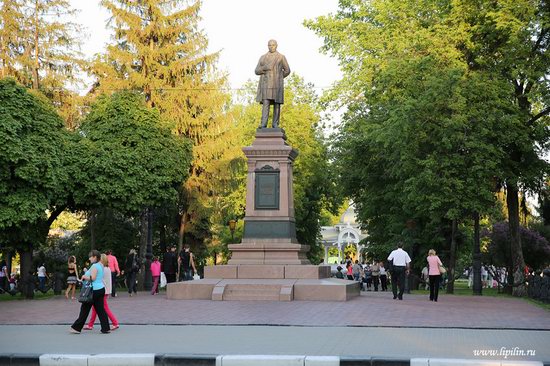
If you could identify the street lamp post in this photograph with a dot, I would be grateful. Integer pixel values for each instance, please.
(232, 226)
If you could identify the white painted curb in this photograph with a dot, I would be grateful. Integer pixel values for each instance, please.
(259, 360)
(145, 359)
(322, 361)
(62, 360)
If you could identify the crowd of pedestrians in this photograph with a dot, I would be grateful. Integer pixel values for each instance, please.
(103, 272)
(374, 276)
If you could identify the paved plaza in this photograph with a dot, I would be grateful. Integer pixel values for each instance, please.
(370, 309)
(372, 325)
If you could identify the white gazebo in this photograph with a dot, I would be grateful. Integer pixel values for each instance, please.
(344, 233)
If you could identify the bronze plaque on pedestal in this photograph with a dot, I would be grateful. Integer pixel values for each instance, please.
(266, 189)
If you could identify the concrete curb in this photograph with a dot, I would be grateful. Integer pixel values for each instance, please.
(238, 360)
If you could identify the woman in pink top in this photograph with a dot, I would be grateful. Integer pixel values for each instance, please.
(435, 275)
(155, 272)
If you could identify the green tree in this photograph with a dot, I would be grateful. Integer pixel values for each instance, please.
(11, 38)
(34, 179)
(429, 121)
(40, 48)
(128, 161)
(159, 51)
(510, 40)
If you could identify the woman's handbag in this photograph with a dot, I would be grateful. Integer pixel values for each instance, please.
(86, 293)
(442, 270)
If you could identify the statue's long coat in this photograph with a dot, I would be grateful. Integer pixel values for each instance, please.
(271, 81)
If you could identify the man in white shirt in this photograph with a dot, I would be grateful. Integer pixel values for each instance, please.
(401, 263)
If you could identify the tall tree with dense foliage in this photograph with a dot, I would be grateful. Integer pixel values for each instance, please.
(129, 159)
(159, 50)
(12, 38)
(510, 40)
(34, 179)
(40, 48)
(427, 123)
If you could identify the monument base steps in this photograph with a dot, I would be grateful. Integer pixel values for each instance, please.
(328, 289)
(268, 271)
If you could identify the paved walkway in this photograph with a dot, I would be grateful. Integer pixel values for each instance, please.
(370, 309)
(225, 340)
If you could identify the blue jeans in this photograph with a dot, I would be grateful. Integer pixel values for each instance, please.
(41, 283)
(186, 275)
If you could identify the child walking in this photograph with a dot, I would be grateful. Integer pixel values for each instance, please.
(155, 272)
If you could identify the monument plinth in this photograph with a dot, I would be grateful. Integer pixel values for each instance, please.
(269, 224)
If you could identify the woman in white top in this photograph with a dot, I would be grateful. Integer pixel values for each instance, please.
(107, 280)
(42, 277)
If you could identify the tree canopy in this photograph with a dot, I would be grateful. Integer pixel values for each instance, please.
(446, 100)
(130, 159)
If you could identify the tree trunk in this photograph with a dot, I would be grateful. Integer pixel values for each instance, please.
(27, 277)
(35, 84)
(92, 219)
(452, 259)
(9, 260)
(181, 234)
(162, 237)
(476, 267)
(142, 248)
(515, 238)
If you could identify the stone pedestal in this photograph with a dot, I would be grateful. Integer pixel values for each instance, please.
(269, 224)
(269, 263)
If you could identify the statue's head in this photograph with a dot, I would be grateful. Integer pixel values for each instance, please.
(272, 45)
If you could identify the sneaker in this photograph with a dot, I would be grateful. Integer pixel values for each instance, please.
(107, 332)
(73, 331)
(87, 327)
(114, 327)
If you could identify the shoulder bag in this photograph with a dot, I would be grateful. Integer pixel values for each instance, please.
(86, 293)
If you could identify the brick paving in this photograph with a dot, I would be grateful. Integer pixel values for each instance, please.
(369, 310)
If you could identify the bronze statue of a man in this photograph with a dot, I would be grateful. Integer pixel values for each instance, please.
(272, 68)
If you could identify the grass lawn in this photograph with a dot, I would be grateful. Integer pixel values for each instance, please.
(461, 288)
(38, 295)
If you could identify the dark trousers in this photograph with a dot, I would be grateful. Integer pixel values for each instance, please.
(434, 287)
(98, 296)
(3, 283)
(113, 282)
(398, 279)
(131, 282)
(384, 282)
(375, 281)
(170, 277)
